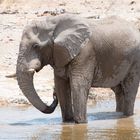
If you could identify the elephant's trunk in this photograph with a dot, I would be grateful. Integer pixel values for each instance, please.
(25, 81)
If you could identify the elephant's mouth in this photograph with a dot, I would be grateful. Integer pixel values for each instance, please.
(34, 70)
(38, 70)
(34, 65)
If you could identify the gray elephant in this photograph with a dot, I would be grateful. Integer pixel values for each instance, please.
(83, 54)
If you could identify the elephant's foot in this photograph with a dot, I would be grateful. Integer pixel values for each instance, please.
(119, 106)
(128, 108)
(67, 115)
(74, 117)
(128, 113)
(68, 120)
(130, 86)
(80, 120)
(119, 109)
(119, 95)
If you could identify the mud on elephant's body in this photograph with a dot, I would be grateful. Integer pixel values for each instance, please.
(83, 55)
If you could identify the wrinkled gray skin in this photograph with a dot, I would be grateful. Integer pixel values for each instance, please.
(83, 55)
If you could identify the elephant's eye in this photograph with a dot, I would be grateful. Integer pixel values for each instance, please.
(35, 46)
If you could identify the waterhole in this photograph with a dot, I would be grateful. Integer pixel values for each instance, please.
(27, 123)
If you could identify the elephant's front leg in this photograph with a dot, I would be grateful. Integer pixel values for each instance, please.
(62, 89)
(80, 85)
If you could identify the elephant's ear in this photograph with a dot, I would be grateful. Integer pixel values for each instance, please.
(69, 37)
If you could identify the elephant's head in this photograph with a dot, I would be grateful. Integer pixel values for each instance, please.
(55, 41)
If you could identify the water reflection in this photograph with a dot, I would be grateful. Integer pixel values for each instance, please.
(64, 132)
(120, 129)
(79, 132)
(126, 129)
(47, 133)
(109, 126)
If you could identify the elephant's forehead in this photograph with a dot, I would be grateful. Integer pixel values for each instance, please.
(38, 29)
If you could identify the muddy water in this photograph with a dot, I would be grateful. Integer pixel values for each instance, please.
(26, 123)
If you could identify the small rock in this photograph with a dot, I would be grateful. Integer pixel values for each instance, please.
(62, 4)
(25, 13)
(132, 9)
(94, 17)
(52, 12)
(11, 39)
(19, 101)
(3, 102)
(36, 13)
(132, 2)
(10, 12)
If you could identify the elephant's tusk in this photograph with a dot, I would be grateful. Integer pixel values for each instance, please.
(11, 75)
(31, 70)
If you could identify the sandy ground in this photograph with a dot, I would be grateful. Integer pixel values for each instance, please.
(15, 14)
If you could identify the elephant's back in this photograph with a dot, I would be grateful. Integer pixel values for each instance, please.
(115, 37)
(117, 46)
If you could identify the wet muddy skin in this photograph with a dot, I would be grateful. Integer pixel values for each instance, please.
(27, 123)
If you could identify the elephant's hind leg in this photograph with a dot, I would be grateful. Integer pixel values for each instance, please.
(119, 95)
(130, 87)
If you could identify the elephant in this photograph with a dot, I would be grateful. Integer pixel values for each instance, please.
(83, 54)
